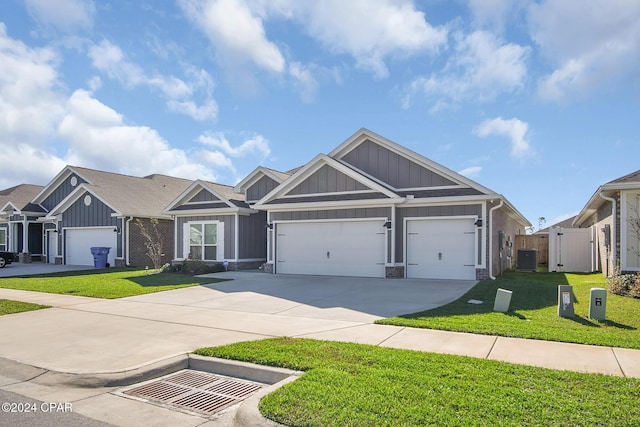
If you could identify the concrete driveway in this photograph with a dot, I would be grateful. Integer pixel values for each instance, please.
(22, 269)
(82, 334)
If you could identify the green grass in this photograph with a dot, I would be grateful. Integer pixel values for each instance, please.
(104, 283)
(359, 385)
(533, 312)
(8, 306)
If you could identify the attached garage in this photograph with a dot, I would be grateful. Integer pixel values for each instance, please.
(441, 248)
(79, 241)
(331, 248)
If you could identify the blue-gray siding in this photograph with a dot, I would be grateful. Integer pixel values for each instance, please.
(261, 188)
(97, 214)
(204, 196)
(392, 168)
(253, 236)
(327, 180)
(62, 191)
(229, 232)
(382, 212)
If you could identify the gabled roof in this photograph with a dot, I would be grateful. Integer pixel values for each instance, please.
(313, 166)
(126, 195)
(630, 181)
(19, 198)
(258, 173)
(364, 135)
(225, 195)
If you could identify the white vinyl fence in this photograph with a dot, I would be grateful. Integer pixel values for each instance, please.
(571, 249)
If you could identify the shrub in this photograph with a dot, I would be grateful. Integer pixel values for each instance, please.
(195, 267)
(625, 284)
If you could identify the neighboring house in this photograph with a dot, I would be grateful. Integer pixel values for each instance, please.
(376, 209)
(613, 214)
(82, 208)
(212, 222)
(20, 231)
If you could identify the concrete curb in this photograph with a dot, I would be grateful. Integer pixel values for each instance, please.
(246, 414)
(24, 372)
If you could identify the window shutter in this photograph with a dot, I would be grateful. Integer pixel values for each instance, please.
(220, 243)
(185, 241)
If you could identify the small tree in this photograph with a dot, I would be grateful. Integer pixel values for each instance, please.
(153, 240)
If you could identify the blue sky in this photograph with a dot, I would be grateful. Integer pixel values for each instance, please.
(536, 100)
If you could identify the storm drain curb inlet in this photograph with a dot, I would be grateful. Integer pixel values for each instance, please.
(201, 392)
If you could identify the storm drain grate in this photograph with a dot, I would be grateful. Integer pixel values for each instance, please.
(196, 391)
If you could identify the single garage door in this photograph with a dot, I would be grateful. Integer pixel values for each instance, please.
(79, 241)
(337, 248)
(441, 249)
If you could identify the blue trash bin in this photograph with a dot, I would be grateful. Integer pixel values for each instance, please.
(100, 254)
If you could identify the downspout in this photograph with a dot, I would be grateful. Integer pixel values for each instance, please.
(127, 238)
(498, 206)
(614, 243)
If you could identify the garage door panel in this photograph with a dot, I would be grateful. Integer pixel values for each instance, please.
(78, 244)
(441, 249)
(350, 248)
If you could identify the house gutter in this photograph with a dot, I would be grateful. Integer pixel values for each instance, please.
(498, 206)
(614, 243)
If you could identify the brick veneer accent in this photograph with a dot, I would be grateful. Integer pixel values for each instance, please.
(395, 272)
(137, 249)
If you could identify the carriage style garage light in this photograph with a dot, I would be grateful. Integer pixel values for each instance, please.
(478, 223)
(387, 224)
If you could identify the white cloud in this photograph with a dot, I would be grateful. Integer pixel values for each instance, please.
(30, 100)
(304, 80)
(590, 43)
(237, 33)
(256, 145)
(471, 171)
(370, 31)
(514, 129)
(66, 16)
(98, 138)
(481, 68)
(492, 13)
(43, 165)
(110, 59)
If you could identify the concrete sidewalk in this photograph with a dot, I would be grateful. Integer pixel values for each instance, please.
(55, 354)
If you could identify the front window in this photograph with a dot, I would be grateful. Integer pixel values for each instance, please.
(3, 239)
(203, 241)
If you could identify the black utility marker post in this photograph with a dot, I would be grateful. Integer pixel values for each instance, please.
(565, 301)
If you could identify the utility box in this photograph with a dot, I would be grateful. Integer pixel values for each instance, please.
(503, 300)
(598, 304)
(565, 301)
(527, 260)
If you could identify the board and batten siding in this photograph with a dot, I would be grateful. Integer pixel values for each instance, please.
(261, 188)
(253, 236)
(97, 214)
(204, 196)
(229, 222)
(428, 212)
(392, 168)
(327, 180)
(62, 191)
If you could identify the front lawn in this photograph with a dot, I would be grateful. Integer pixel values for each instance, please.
(8, 306)
(361, 385)
(533, 312)
(104, 283)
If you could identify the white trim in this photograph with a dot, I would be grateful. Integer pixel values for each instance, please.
(312, 167)
(219, 239)
(211, 211)
(237, 236)
(73, 197)
(256, 175)
(624, 229)
(333, 193)
(405, 261)
(329, 205)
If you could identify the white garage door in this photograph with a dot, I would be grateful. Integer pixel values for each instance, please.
(78, 244)
(341, 248)
(441, 249)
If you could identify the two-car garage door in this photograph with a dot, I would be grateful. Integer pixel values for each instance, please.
(78, 244)
(333, 248)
